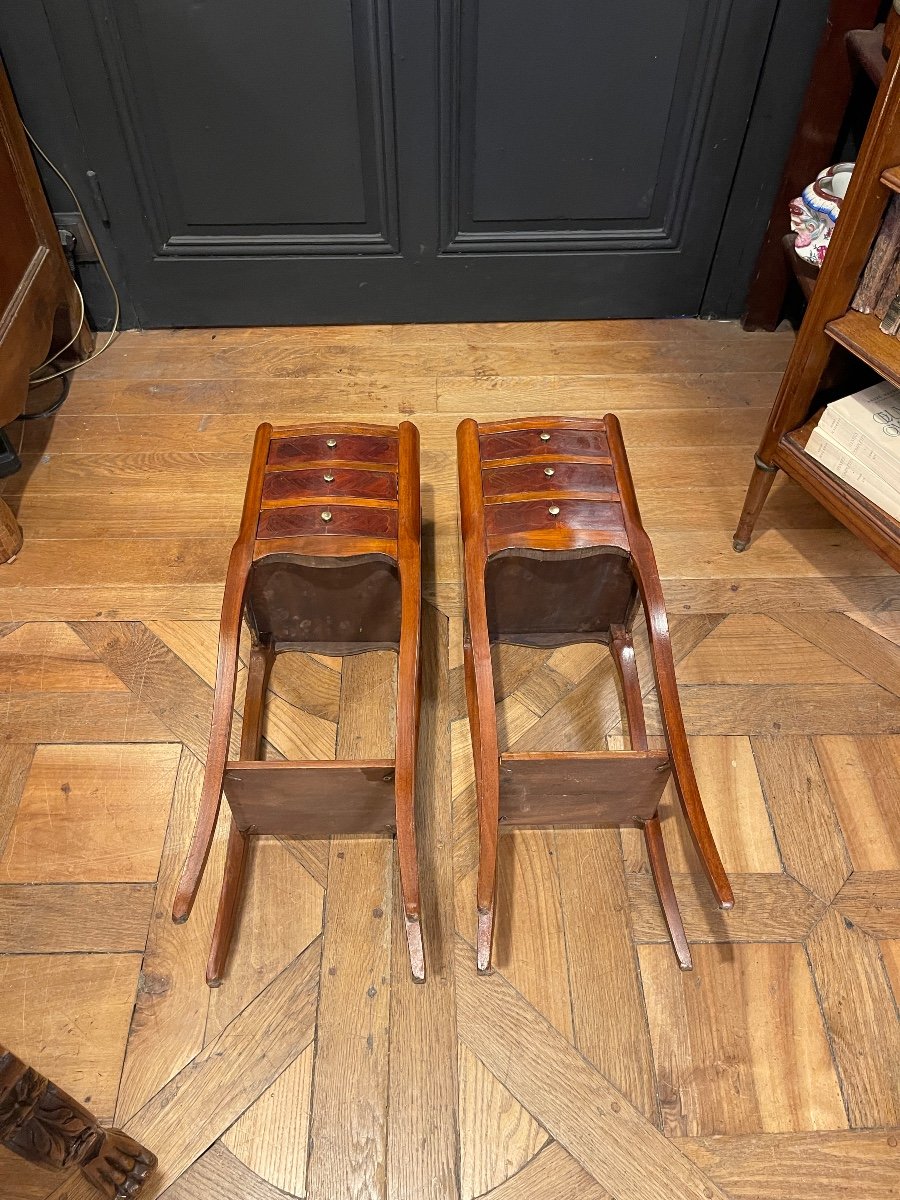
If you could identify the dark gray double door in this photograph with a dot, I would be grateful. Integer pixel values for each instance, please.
(307, 161)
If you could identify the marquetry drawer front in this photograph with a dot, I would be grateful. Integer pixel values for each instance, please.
(291, 487)
(542, 515)
(334, 447)
(548, 478)
(524, 443)
(355, 521)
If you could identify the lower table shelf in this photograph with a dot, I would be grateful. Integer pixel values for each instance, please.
(870, 523)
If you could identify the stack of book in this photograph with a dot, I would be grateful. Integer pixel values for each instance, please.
(858, 439)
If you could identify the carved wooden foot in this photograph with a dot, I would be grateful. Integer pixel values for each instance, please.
(45, 1125)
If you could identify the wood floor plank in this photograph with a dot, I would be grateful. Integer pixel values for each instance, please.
(797, 797)
(222, 1081)
(280, 914)
(272, 1136)
(221, 1173)
(303, 354)
(170, 1010)
(729, 784)
(80, 717)
(871, 900)
(498, 1136)
(738, 1043)
(861, 1017)
(610, 1023)
(767, 908)
(861, 773)
(884, 621)
(15, 763)
(50, 657)
(25, 1180)
(806, 709)
(166, 685)
(861, 650)
(92, 918)
(758, 649)
(577, 1105)
(890, 952)
(861, 585)
(800, 1166)
(423, 1143)
(484, 397)
(553, 1172)
(92, 814)
(529, 936)
(67, 1016)
(350, 1092)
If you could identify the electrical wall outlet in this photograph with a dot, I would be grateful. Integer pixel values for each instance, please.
(72, 223)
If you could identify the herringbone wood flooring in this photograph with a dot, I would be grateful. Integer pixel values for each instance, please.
(587, 1065)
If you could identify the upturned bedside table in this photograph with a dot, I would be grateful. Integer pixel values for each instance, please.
(555, 553)
(328, 561)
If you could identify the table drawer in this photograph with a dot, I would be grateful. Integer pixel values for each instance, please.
(288, 487)
(542, 515)
(314, 519)
(525, 443)
(334, 447)
(550, 478)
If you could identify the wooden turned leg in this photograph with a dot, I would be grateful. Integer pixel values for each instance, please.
(10, 534)
(43, 1124)
(622, 649)
(261, 658)
(760, 485)
(219, 735)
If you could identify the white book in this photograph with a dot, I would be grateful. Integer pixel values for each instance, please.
(875, 412)
(880, 456)
(846, 467)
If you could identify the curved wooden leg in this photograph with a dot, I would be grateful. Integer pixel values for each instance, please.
(409, 689)
(483, 726)
(219, 735)
(760, 485)
(262, 656)
(229, 902)
(408, 702)
(673, 724)
(622, 648)
(662, 878)
(43, 1124)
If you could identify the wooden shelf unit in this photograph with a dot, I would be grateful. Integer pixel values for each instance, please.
(830, 322)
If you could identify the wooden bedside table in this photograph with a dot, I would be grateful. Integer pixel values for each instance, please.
(328, 561)
(555, 553)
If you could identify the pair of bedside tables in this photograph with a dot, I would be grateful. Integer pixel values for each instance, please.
(328, 560)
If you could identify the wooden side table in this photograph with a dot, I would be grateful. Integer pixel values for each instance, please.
(328, 560)
(555, 553)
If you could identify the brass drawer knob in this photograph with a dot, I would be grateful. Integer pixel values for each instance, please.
(329, 478)
(331, 443)
(326, 515)
(553, 510)
(549, 471)
(545, 437)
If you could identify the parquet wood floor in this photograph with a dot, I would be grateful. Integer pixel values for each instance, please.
(587, 1066)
